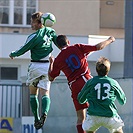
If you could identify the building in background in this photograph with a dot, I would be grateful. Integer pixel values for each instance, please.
(83, 17)
(74, 18)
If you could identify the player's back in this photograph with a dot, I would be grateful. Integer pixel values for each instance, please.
(72, 61)
(41, 43)
(101, 96)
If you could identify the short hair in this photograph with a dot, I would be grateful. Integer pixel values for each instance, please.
(61, 41)
(37, 16)
(103, 66)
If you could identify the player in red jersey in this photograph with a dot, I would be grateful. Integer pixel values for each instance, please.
(72, 61)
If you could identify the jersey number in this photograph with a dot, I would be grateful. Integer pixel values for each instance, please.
(71, 64)
(98, 89)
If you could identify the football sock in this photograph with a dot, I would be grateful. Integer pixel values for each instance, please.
(79, 128)
(34, 103)
(45, 104)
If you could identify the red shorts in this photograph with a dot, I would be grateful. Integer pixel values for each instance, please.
(76, 87)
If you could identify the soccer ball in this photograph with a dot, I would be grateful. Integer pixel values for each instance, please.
(48, 19)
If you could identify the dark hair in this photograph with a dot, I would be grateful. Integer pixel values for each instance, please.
(61, 41)
(37, 16)
(103, 66)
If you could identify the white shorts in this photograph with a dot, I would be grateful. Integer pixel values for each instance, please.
(38, 75)
(93, 123)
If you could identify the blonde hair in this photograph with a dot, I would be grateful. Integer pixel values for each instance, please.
(103, 66)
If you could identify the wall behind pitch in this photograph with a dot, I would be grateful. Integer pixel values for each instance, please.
(73, 17)
(62, 115)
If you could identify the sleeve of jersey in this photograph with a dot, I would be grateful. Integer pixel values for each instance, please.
(26, 47)
(83, 93)
(86, 48)
(120, 94)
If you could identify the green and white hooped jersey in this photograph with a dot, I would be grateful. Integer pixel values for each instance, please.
(101, 93)
(39, 44)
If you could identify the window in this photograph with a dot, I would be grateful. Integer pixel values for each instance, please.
(8, 73)
(17, 12)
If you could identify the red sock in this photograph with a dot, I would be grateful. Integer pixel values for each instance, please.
(80, 130)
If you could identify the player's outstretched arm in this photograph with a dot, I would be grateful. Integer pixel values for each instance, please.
(103, 44)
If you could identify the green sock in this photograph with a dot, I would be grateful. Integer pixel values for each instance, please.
(45, 104)
(34, 103)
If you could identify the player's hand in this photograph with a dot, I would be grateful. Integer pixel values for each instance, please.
(51, 59)
(111, 38)
(11, 56)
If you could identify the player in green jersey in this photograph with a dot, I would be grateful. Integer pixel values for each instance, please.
(101, 93)
(39, 44)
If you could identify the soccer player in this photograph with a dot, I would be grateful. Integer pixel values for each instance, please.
(72, 61)
(101, 93)
(39, 44)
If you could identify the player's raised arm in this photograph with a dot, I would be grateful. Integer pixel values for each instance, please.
(103, 44)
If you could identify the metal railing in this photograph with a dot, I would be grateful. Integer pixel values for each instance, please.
(15, 101)
(10, 100)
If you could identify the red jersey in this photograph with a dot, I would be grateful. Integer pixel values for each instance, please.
(72, 61)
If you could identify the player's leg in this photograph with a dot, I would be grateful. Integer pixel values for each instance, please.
(114, 124)
(45, 104)
(32, 81)
(34, 103)
(81, 114)
(80, 108)
(44, 85)
(38, 78)
(91, 124)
